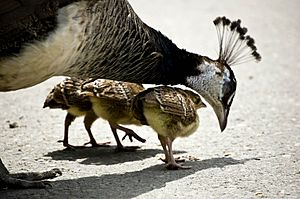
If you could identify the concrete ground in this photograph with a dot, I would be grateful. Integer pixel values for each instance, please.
(257, 156)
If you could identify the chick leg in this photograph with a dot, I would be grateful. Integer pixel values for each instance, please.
(128, 132)
(89, 119)
(172, 164)
(120, 147)
(114, 130)
(25, 180)
(68, 121)
(163, 142)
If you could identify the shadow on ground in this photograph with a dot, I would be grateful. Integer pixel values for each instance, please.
(126, 185)
(104, 155)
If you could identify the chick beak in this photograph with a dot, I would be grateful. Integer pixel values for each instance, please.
(203, 105)
(222, 114)
(46, 104)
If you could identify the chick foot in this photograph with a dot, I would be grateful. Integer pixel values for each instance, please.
(176, 166)
(69, 146)
(177, 160)
(95, 144)
(172, 163)
(26, 180)
(131, 134)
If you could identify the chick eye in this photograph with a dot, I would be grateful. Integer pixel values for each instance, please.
(197, 100)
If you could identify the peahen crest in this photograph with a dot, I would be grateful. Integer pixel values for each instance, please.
(235, 47)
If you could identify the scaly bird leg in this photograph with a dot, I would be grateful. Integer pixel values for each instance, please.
(163, 142)
(25, 180)
(68, 121)
(89, 119)
(172, 164)
(128, 132)
(120, 147)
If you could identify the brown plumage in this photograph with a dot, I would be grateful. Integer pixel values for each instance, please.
(67, 95)
(171, 112)
(111, 101)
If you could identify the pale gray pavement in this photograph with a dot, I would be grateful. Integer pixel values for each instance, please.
(256, 157)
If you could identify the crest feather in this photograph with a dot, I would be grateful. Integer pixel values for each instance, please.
(235, 47)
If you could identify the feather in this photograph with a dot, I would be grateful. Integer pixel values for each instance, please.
(235, 47)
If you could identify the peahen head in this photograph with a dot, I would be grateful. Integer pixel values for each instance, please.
(216, 81)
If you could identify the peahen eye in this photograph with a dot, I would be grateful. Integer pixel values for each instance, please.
(219, 73)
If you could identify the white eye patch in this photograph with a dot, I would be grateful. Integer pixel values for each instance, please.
(226, 76)
(230, 98)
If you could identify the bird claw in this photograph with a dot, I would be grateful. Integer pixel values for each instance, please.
(175, 166)
(95, 144)
(67, 145)
(71, 147)
(132, 134)
(177, 160)
(129, 136)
